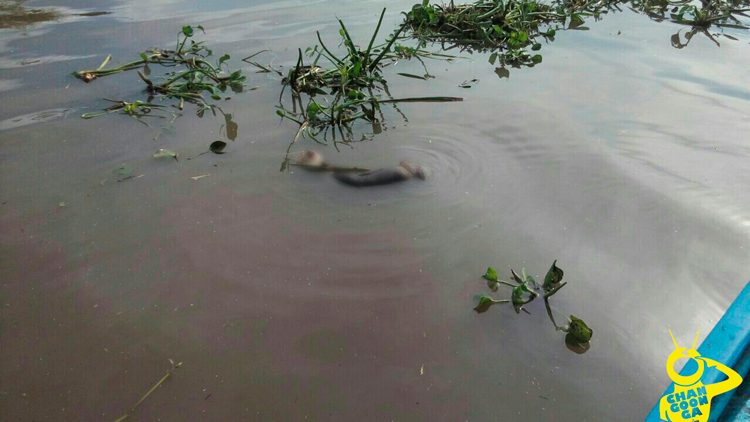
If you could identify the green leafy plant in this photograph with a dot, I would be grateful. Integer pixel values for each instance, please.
(135, 108)
(512, 31)
(331, 93)
(194, 77)
(526, 289)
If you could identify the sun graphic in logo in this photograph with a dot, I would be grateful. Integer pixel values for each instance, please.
(691, 399)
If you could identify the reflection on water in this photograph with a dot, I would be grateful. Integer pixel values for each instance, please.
(38, 117)
(289, 296)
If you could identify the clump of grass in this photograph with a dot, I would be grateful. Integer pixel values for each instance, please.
(195, 76)
(506, 28)
(701, 17)
(703, 14)
(331, 92)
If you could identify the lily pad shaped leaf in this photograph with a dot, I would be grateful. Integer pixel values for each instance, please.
(491, 274)
(218, 147)
(484, 304)
(578, 330)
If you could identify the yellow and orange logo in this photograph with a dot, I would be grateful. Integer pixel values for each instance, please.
(691, 399)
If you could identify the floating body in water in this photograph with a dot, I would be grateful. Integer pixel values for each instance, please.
(359, 177)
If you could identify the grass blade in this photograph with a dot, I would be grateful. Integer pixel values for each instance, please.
(422, 100)
(374, 64)
(150, 390)
(104, 63)
(410, 75)
(331, 55)
(372, 40)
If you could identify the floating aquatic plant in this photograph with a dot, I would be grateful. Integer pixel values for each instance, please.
(513, 31)
(330, 93)
(526, 289)
(194, 76)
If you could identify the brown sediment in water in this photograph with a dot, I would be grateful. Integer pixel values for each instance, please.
(258, 318)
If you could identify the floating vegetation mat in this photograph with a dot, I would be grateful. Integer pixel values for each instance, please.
(505, 27)
(330, 93)
(514, 30)
(190, 76)
(338, 95)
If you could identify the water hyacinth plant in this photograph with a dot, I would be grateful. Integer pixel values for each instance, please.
(525, 289)
(194, 76)
(513, 31)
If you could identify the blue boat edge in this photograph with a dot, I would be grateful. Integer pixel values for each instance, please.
(729, 343)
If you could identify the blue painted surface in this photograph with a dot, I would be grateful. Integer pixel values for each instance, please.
(729, 343)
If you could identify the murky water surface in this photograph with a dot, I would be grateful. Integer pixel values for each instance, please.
(288, 296)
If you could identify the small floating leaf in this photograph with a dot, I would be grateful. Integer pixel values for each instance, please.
(484, 304)
(232, 127)
(166, 153)
(468, 84)
(502, 72)
(491, 274)
(492, 281)
(123, 172)
(574, 346)
(522, 295)
(575, 21)
(579, 331)
(553, 278)
(217, 147)
(187, 30)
